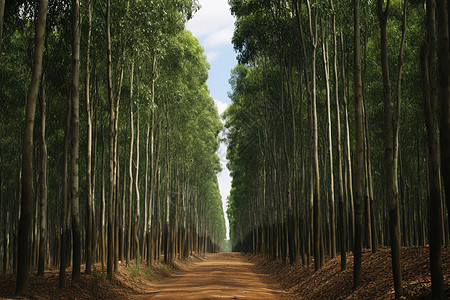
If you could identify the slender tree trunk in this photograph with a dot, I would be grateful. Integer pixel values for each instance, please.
(75, 140)
(146, 198)
(130, 195)
(339, 144)
(330, 152)
(43, 184)
(428, 60)
(103, 207)
(138, 198)
(389, 155)
(27, 153)
(89, 182)
(116, 169)
(373, 227)
(348, 186)
(110, 260)
(359, 156)
(444, 94)
(64, 221)
(2, 14)
(316, 186)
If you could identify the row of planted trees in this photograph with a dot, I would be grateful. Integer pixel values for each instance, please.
(316, 173)
(118, 160)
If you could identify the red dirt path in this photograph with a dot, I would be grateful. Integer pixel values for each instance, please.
(219, 276)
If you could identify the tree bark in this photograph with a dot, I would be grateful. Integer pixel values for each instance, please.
(43, 184)
(110, 260)
(428, 64)
(27, 152)
(444, 94)
(130, 195)
(339, 143)
(316, 186)
(65, 178)
(75, 132)
(89, 182)
(330, 151)
(138, 198)
(390, 153)
(2, 14)
(359, 157)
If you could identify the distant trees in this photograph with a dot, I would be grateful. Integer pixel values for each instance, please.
(377, 158)
(159, 72)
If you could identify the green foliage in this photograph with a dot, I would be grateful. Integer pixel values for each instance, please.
(269, 119)
(171, 96)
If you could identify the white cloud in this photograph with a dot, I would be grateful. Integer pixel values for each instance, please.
(212, 16)
(212, 55)
(220, 37)
(221, 106)
(213, 25)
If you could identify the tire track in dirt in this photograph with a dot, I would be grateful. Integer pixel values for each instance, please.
(219, 276)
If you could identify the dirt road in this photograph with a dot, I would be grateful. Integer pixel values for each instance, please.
(219, 276)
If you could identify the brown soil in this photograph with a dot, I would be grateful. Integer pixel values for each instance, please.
(128, 282)
(377, 281)
(238, 276)
(219, 276)
(223, 275)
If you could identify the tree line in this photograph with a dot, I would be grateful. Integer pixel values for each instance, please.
(118, 160)
(339, 130)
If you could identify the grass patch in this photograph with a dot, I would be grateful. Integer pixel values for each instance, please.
(98, 274)
(148, 272)
(136, 270)
(163, 268)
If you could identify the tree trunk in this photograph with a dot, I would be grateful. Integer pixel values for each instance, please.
(138, 198)
(65, 178)
(130, 195)
(330, 152)
(359, 156)
(75, 132)
(390, 153)
(146, 199)
(339, 144)
(27, 153)
(444, 94)
(2, 14)
(347, 192)
(89, 182)
(103, 208)
(43, 184)
(428, 64)
(316, 186)
(110, 260)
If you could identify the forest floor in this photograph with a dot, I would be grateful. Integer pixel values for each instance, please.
(222, 275)
(238, 276)
(377, 281)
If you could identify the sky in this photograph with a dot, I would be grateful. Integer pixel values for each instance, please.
(213, 25)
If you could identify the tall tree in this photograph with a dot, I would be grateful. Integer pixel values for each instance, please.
(444, 93)
(43, 184)
(339, 142)
(27, 152)
(65, 220)
(391, 145)
(75, 137)
(429, 80)
(359, 155)
(89, 179)
(2, 14)
(111, 206)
